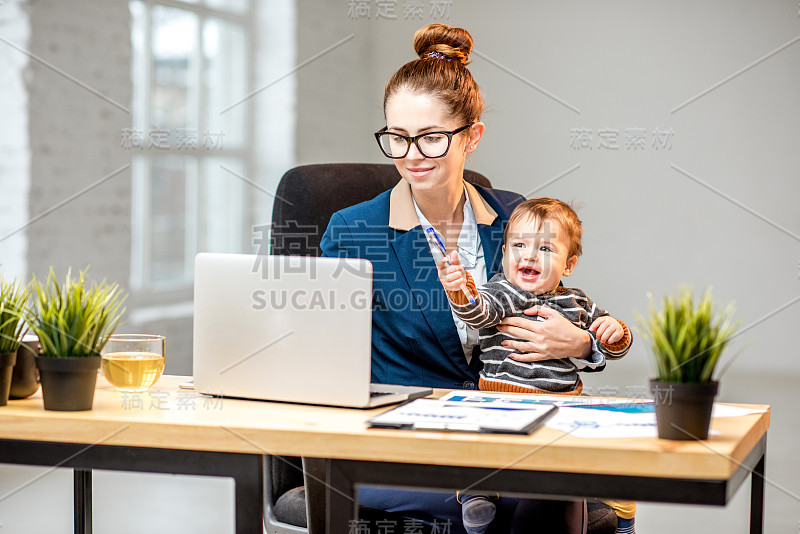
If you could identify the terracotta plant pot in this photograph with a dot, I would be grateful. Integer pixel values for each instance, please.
(7, 361)
(25, 380)
(683, 411)
(68, 383)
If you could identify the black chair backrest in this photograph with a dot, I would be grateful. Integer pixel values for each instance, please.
(309, 195)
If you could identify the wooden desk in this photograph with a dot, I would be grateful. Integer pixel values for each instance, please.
(174, 431)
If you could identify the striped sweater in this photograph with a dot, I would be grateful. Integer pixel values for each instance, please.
(498, 299)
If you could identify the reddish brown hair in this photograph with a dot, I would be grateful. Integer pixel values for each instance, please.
(446, 78)
(540, 209)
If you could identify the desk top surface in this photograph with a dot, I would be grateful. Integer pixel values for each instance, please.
(168, 417)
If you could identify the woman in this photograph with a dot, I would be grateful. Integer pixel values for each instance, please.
(433, 107)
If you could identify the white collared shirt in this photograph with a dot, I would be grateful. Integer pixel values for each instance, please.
(471, 255)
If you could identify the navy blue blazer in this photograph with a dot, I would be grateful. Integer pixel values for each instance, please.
(414, 338)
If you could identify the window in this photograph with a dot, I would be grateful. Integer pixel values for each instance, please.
(189, 138)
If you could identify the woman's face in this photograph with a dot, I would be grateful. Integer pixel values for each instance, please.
(412, 114)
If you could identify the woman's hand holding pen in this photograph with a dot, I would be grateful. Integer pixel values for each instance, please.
(436, 241)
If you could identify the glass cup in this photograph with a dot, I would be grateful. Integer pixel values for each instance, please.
(133, 362)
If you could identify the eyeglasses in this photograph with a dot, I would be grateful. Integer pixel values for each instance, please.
(430, 144)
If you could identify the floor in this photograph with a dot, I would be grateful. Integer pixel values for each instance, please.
(37, 500)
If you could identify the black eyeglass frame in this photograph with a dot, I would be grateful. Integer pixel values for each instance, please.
(416, 139)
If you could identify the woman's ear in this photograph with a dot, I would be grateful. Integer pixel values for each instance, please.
(475, 133)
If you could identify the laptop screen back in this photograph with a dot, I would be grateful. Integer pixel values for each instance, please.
(287, 328)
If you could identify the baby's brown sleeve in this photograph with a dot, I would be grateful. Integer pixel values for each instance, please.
(622, 343)
(459, 298)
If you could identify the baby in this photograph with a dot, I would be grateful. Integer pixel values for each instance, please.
(541, 244)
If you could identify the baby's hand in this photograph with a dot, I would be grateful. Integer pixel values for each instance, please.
(608, 330)
(451, 276)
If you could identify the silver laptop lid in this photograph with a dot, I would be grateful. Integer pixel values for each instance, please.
(288, 328)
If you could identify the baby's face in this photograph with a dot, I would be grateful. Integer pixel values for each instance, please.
(535, 255)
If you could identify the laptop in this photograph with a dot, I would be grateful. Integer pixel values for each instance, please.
(287, 328)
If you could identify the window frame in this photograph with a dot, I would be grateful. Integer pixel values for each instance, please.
(145, 291)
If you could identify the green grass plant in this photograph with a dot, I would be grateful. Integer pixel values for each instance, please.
(13, 301)
(73, 320)
(687, 337)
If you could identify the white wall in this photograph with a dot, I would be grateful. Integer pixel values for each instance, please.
(274, 134)
(337, 109)
(14, 145)
(65, 90)
(648, 226)
(78, 94)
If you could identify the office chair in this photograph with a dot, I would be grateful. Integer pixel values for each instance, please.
(284, 496)
(309, 195)
(306, 198)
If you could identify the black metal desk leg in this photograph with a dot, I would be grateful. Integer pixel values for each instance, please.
(757, 497)
(82, 500)
(341, 506)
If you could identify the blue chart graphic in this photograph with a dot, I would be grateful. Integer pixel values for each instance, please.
(637, 407)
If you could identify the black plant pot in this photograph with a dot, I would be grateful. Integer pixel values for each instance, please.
(7, 361)
(68, 383)
(25, 380)
(683, 411)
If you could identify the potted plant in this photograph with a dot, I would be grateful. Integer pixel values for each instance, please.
(687, 339)
(13, 299)
(73, 323)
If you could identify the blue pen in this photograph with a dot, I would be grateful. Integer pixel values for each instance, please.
(434, 238)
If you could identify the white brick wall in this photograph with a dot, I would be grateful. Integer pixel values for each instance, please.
(14, 149)
(75, 137)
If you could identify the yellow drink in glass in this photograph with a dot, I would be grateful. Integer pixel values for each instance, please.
(133, 362)
(132, 371)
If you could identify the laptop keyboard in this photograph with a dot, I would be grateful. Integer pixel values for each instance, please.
(379, 393)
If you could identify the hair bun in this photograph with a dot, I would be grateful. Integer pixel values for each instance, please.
(454, 43)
